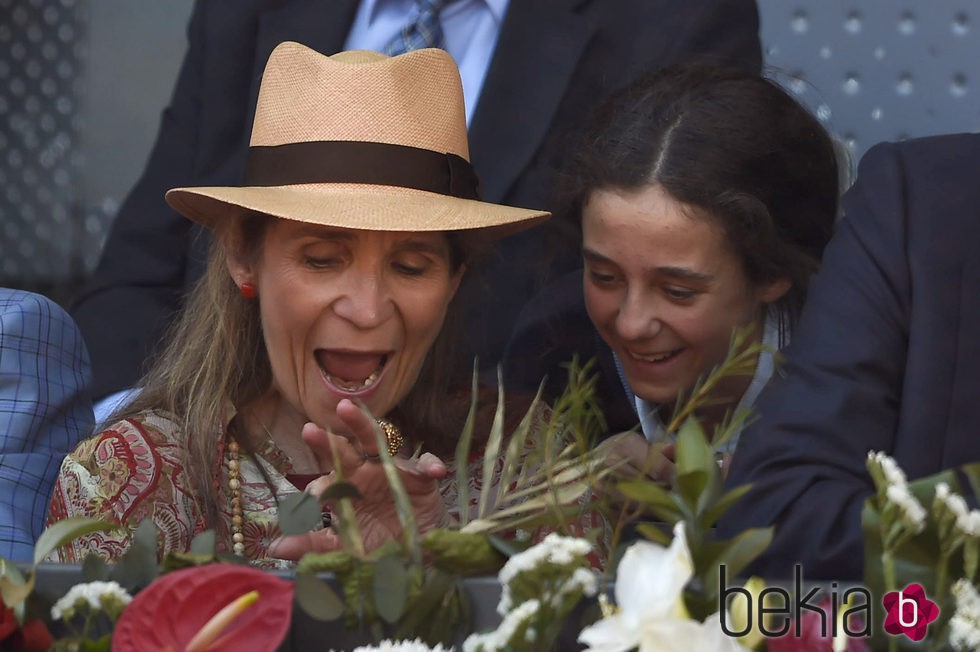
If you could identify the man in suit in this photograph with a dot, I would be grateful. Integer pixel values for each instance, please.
(551, 62)
(886, 357)
(45, 410)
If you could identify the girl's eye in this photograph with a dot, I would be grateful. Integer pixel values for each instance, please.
(679, 294)
(601, 278)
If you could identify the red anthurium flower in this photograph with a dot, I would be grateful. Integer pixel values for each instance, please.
(172, 610)
(33, 636)
(815, 635)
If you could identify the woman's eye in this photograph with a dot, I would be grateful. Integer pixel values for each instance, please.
(326, 262)
(410, 269)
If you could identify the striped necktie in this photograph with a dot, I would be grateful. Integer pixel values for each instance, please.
(425, 32)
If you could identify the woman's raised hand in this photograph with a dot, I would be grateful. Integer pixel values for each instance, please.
(356, 455)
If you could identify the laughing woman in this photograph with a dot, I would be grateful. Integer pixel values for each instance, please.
(707, 196)
(332, 274)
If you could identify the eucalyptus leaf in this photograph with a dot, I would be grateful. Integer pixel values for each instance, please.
(203, 543)
(390, 588)
(299, 513)
(15, 592)
(317, 599)
(137, 567)
(339, 490)
(94, 568)
(61, 532)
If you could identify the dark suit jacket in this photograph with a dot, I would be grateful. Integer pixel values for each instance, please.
(553, 61)
(886, 357)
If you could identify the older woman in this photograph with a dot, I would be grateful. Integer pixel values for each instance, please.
(332, 274)
(707, 196)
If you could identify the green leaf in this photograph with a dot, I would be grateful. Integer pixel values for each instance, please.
(690, 486)
(654, 533)
(94, 568)
(14, 588)
(339, 490)
(736, 554)
(59, 533)
(390, 588)
(317, 599)
(693, 453)
(137, 567)
(203, 543)
(299, 513)
(492, 447)
(723, 504)
(462, 553)
(651, 495)
(463, 451)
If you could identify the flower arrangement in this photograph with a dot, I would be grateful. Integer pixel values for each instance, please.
(411, 594)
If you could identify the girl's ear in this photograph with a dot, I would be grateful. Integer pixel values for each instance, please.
(774, 291)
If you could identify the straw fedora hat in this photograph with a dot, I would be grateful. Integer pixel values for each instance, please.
(358, 140)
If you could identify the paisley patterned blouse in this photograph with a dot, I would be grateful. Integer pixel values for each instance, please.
(135, 469)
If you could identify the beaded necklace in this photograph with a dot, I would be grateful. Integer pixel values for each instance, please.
(235, 484)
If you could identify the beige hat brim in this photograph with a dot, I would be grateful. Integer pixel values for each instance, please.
(352, 206)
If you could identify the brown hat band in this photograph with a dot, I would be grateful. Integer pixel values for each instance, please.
(342, 161)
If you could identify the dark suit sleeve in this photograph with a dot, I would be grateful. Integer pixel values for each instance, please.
(138, 284)
(725, 32)
(840, 395)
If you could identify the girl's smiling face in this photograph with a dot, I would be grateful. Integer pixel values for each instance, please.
(664, 288)
(348, 313)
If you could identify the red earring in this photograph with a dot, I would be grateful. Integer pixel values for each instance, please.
(248, 291)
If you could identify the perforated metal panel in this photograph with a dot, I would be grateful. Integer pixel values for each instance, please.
(41, 56)
(872, 70)
(876, 70)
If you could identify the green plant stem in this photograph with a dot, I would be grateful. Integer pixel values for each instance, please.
(888, 573)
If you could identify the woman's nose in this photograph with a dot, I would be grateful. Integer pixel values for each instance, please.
(365, 303)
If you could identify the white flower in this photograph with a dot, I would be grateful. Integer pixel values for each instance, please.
(967, 520)
(964, 626)
(649, 582)
(401, 646)
(889, 468)
(500, 638)
(96, 595)
(914, 513)
(554, 549)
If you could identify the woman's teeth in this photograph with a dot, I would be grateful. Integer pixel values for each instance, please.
(354, 385)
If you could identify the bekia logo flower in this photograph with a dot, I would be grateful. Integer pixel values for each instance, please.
(909, 612)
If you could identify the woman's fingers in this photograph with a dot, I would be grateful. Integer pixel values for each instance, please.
(330, 449)
(361, 426)
(295, 546)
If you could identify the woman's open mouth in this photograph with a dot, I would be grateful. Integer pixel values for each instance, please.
(351, 372)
